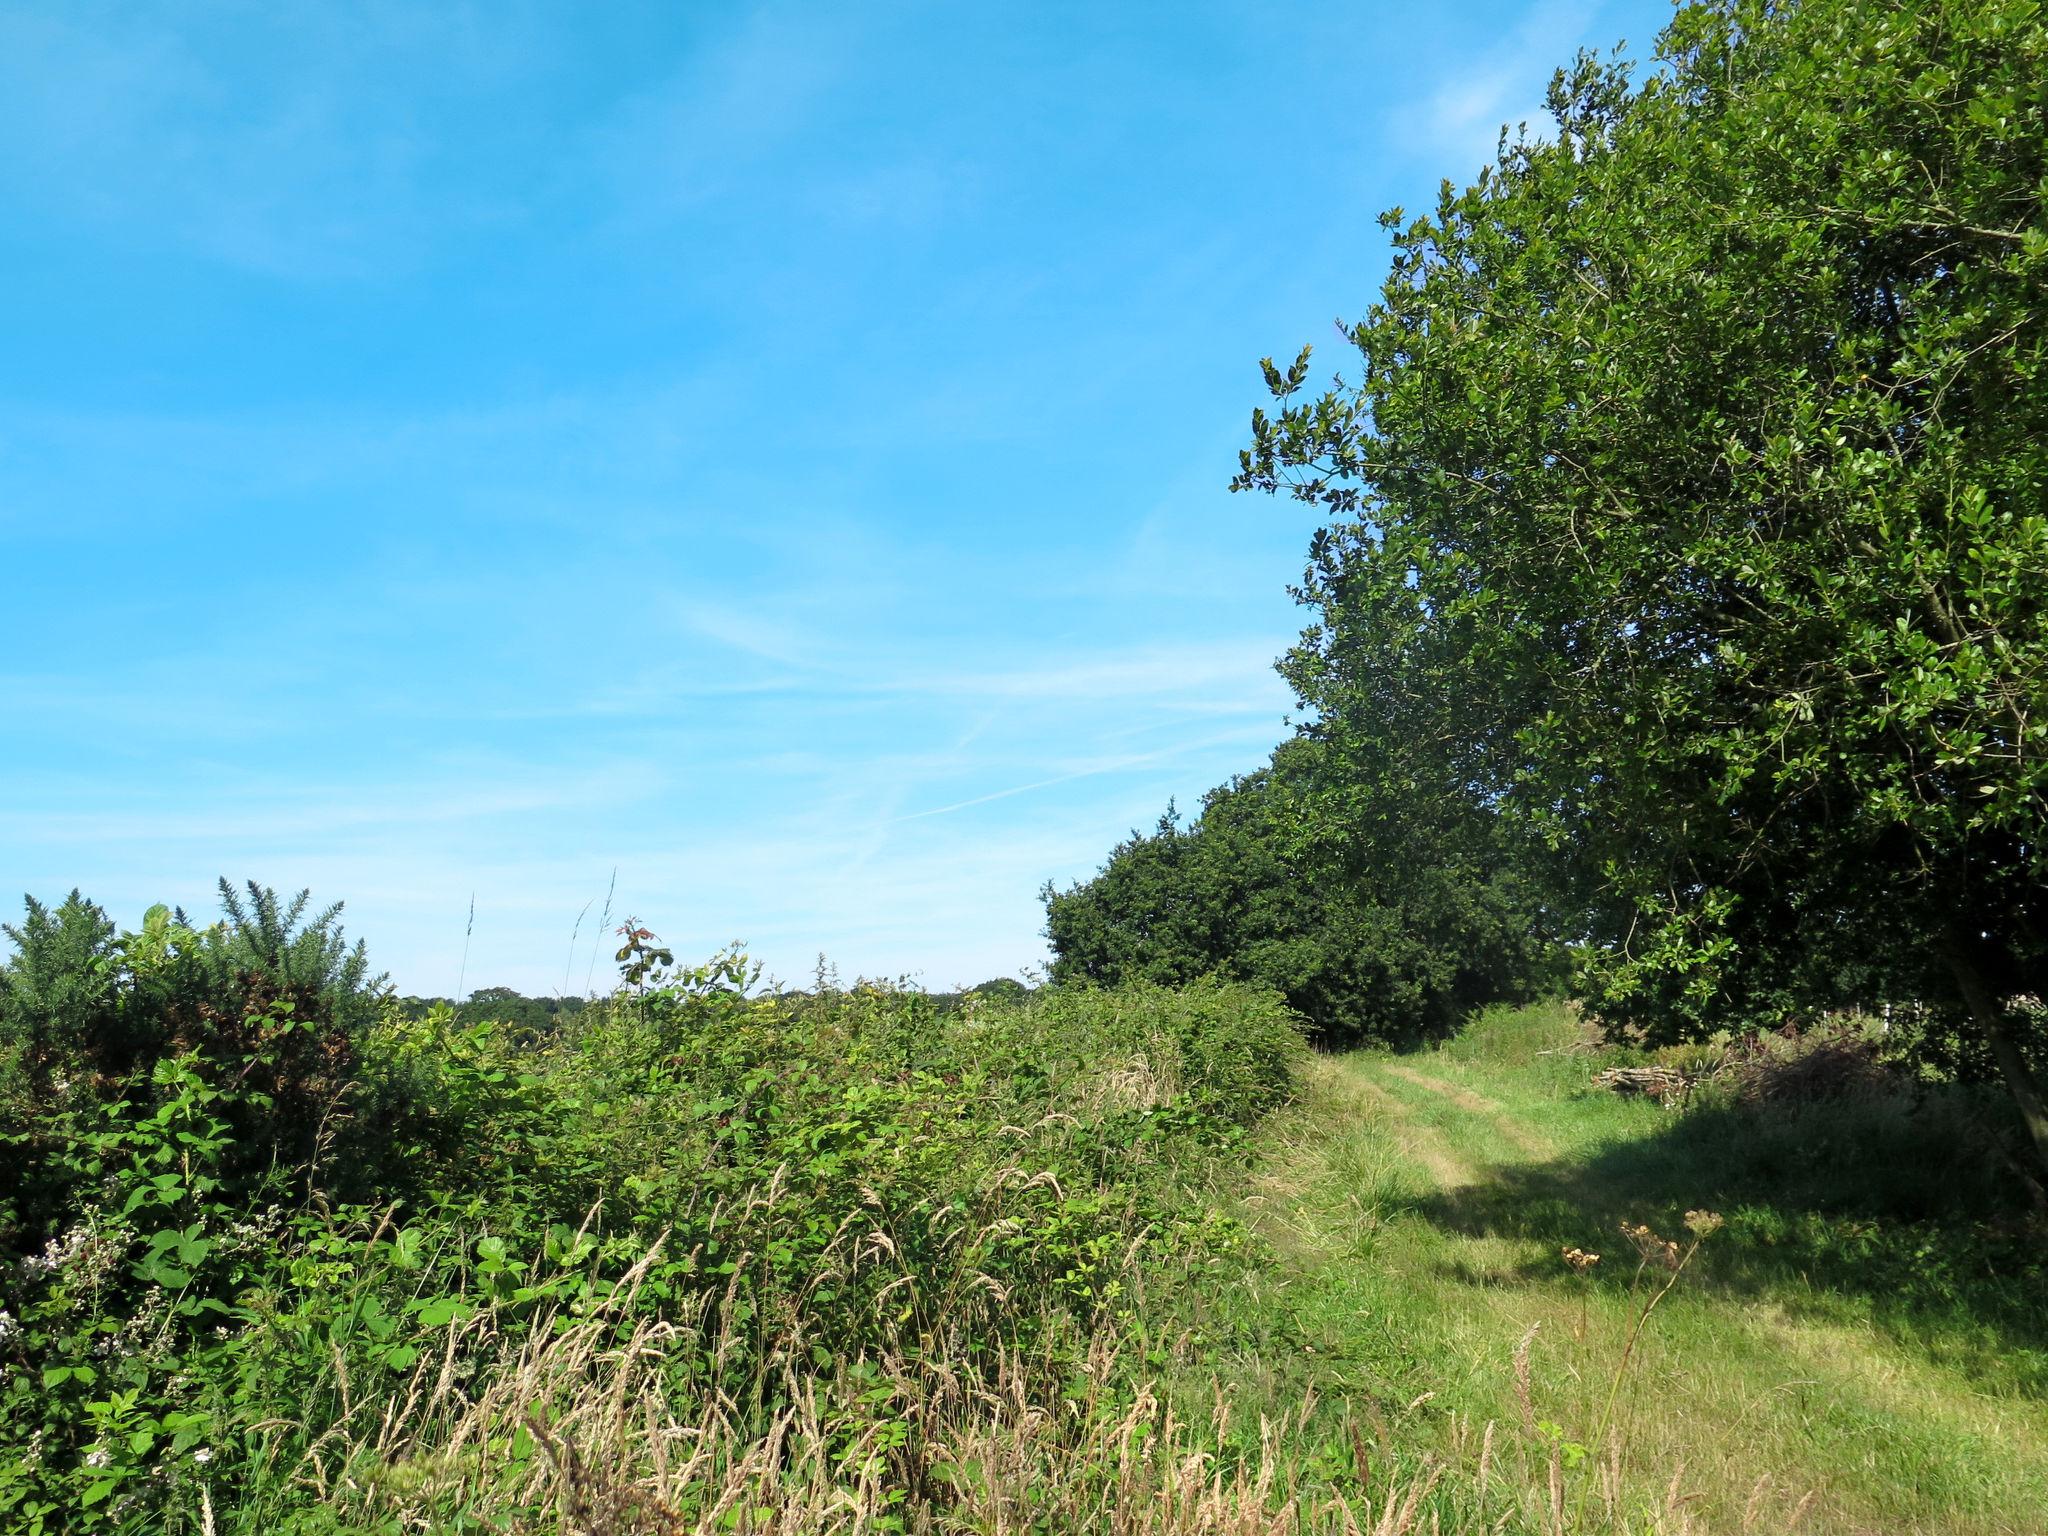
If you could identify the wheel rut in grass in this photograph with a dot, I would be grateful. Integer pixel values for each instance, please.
(1425, 1145)
(1530, 1143)
(1770, 1402)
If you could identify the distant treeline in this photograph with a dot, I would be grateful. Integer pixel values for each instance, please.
(543, 1015)
(1680, 608)
(496, 1005)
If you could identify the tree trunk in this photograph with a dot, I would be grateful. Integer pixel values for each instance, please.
(1989, 1014)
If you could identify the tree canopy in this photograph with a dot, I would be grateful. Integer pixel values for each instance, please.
(1689, 505)
(1384, 930)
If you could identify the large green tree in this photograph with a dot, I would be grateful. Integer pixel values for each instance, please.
(1689, 503)
(1382, 927)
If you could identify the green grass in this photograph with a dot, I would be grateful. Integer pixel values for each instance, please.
(1861, 1339)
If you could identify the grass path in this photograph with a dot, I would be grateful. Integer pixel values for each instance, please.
(1530, 1143)
(1787, 1382)
(1425, 1145)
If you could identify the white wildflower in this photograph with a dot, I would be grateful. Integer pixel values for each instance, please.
(57, 1252)
(203, 1455)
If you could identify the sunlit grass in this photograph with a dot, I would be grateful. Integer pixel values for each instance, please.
(1784, 1375)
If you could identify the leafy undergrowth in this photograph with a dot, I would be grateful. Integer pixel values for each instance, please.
(1859, 1345)
(704, 1259)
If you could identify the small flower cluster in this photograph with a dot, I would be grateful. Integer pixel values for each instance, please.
(56, 1254)
(256, 1233)
(1660, 1251)
(144, 1333)
(1580, 1260)
(81, 1256)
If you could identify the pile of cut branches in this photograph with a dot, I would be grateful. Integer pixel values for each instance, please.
(1667, 1085)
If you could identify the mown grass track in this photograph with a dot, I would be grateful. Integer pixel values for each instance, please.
(1823, 1365)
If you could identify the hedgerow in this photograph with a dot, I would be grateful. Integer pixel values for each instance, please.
(275, 1262)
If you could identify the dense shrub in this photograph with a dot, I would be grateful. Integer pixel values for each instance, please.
(1383, 929)
(200, 1312)
(270, 1010)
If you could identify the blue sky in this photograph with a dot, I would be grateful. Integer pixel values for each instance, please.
(778, 453)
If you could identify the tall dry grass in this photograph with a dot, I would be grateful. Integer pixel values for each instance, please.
(580, 1431)
(577, 1425)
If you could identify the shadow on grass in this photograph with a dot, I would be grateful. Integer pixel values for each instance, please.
(1903, 1203)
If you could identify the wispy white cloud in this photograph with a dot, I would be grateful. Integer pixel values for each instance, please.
(757, 631)
(313, 166)
(1121, 764)
(1150, 672)
(1206, 674)
(1457, 126)
(308, 813)
(702, 130)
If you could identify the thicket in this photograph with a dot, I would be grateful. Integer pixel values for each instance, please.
(1389, 931)
(276, 1257)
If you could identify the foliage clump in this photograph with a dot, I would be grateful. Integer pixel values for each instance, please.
(273, 1242)
(1373, 930)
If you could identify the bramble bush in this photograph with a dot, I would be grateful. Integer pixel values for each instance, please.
(280, 1257)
